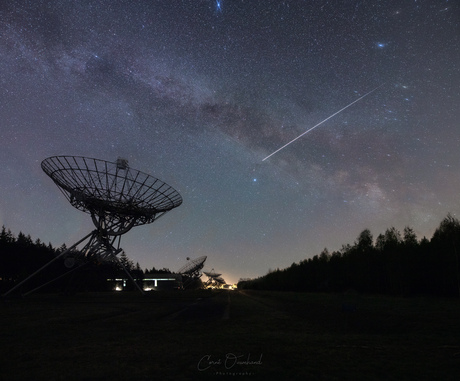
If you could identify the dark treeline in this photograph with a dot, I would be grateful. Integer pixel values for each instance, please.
(21, 256)
(396, 264)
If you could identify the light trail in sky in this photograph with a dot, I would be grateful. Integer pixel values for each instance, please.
(320, 123)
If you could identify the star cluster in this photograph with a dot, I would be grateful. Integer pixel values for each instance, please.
(197, 93)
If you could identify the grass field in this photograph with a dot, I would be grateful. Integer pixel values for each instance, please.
(217, 335)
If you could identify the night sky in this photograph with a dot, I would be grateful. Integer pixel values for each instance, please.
(198, 92)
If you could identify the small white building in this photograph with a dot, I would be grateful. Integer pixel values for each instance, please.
(151, 282)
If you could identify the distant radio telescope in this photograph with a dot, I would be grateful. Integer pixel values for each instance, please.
(214, 278)
(192, 269)
(212, 274)
(116, 196)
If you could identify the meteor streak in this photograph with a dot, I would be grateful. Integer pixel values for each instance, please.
(338, 112)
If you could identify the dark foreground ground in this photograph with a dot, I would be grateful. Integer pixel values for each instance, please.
(229, 335)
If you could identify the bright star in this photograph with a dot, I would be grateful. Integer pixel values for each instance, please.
(218, 6)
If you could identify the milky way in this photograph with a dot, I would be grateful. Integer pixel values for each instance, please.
(198, 92)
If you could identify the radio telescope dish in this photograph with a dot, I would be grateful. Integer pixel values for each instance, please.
(212, 274)
(116, 196)
(220, 280)
(214, 279)
(193, 266)
(192, 270)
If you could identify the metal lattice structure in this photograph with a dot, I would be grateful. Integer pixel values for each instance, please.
(192, 269)
(212, 274)
(116, 196)
(214, 279)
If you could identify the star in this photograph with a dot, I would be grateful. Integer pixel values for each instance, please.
(218, 6)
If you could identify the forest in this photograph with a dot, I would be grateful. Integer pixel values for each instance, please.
(21, 256)
(394, 264)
